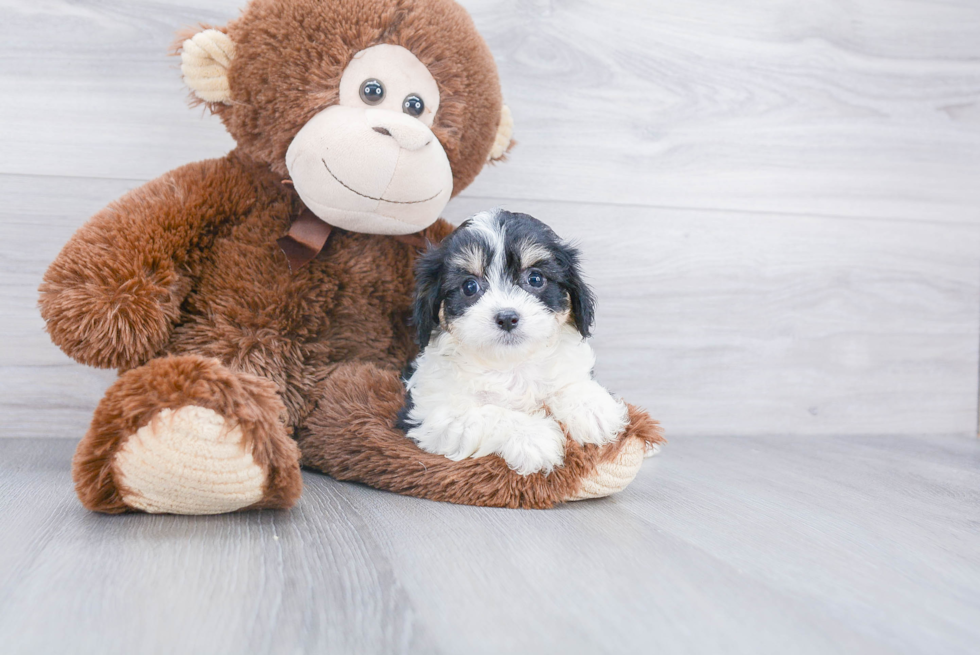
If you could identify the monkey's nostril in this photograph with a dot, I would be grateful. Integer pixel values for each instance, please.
(507, 320)
(382, 130)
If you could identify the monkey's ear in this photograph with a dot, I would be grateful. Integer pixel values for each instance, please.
(204, 61)
(504, 140)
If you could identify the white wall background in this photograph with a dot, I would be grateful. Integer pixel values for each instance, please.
(779, 200)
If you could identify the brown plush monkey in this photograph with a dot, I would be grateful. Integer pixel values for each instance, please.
(257, 304)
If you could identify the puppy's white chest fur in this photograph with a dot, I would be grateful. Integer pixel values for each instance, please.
(466, 405)
(509, 365)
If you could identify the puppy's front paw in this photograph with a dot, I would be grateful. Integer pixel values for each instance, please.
(590, 413)
(532, 444)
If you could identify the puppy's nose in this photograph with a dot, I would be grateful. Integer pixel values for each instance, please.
(507, 320)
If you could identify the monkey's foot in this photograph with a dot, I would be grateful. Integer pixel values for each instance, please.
(612, 475)
(188, 461)
(184, 435)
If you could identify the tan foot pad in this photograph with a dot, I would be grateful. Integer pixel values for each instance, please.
(613, 476)
(188, 461)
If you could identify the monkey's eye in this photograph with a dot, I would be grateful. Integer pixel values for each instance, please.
(372, 91)
(535, 278)
(413, 105)
(470, 287)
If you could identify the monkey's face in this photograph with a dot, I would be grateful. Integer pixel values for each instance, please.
(371, 162)
(378, 110)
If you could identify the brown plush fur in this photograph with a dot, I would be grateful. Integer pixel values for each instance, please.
(139, 394)
(181, 285)
(351, 438)
(189, 264)
(280, 79)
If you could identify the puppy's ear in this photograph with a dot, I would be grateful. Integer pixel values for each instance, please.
(579, 293)
(428, 294)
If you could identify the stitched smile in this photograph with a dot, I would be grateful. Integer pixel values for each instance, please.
(364, 195)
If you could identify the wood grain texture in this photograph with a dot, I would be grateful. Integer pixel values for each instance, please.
(868, 108)
(718, 324)
(745, 323)
(737, 545)
(777, 200)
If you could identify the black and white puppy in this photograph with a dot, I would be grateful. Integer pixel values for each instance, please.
(503, 315)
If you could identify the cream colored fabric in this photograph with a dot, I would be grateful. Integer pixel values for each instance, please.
(188, 461)
(399, 71)
(204, 61)
(370, 170)
(371, 167)
(505, 131)
(613, 476)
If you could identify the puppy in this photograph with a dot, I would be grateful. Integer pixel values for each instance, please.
(503, 315)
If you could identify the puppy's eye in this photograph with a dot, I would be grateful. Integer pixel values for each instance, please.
(372, 91)
(471, 287)
(413, 105)
(535, 279)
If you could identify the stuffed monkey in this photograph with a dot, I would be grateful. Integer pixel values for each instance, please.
(257, 305)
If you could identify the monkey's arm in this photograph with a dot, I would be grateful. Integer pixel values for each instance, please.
(111, 297)
(350, 436)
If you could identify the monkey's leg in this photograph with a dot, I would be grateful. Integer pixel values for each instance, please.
(350, 436)
(186, 435)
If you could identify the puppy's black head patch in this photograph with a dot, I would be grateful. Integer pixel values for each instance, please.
(500, 247)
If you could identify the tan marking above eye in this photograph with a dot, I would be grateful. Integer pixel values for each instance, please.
(532, 253)
(470, 259)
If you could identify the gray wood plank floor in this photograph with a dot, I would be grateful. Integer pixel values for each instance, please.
(722, 545)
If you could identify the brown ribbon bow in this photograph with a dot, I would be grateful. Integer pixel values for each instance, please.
(305, 239)
(308, 235)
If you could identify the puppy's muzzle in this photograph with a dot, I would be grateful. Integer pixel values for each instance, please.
(507, 319)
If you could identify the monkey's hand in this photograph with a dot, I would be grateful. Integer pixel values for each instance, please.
(350, 435)
(111, 297)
